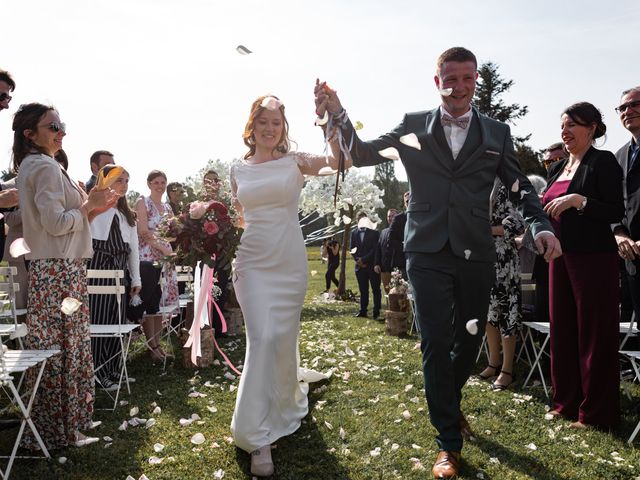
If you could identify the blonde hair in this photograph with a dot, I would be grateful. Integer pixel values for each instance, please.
(248, 136)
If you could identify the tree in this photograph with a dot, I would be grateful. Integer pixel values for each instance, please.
(489, 88)
(357, 193)
(385, 179)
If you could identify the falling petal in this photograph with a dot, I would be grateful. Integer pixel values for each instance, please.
(19, 247)
(445, 92)
(70, 305)
(322, 120)
(313, 273)
(346, 220)
(326, 171)
(467, 254)
(411, 140)
(353, 250)
(358, 125)
(271, 103)
(158, 447)
(516, 186)
(134, 411)
(62, 460)
(472, 326)
(242, 50)
(158, 393)
(391, 153)
(523, 193)
(198, 439)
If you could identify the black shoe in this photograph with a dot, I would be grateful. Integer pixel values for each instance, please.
(361, 314)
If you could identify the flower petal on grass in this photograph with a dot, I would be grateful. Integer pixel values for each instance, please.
(19, 247)
(328, 425)
(198, 439)
(411, 140)
(155, 460)
(313, 273)
(375, 452)
(158, 447)
(532, 446)
(123, 426)
(134, 411)
(157, 411)
(184, 422)
(218, 474)
(212, 408)
(62, 460)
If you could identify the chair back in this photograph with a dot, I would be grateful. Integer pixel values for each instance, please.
(112, 288)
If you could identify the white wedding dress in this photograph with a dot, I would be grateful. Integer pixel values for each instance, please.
(270, 281)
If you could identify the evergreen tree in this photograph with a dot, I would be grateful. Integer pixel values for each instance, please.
(385, 179)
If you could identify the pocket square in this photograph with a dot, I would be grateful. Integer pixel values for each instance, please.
(492, 152)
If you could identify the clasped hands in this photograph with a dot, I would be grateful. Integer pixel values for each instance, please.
(326, 99)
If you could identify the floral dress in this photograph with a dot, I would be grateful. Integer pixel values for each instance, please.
(505, 301)
(150, 254)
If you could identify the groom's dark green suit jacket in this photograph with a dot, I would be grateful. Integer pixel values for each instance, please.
(450, 198)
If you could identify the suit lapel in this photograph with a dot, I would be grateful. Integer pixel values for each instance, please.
(475, 143)
(432, 123)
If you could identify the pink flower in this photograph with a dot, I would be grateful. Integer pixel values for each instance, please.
(211, 228)
(197, 210)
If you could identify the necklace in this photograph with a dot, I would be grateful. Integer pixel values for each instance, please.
(569, 168)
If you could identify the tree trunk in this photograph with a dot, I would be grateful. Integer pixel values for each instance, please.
(343, 257)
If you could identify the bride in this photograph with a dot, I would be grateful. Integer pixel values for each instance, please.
(270, 280)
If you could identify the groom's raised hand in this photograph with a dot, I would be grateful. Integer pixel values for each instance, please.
(326, 99)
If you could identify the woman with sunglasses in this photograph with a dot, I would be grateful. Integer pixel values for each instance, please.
(55, 223)
(583, 198)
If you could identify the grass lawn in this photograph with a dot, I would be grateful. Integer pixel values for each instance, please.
(369, 421)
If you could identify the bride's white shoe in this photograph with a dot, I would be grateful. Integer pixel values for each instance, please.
(261, 463)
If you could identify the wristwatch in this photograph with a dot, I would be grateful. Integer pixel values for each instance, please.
(582, 205)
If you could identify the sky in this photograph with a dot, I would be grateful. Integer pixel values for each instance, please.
(160, 84)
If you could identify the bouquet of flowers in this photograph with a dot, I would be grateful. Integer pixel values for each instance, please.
(203, 232)
(398, 284)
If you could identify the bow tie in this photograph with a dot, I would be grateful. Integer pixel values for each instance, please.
(449, 120)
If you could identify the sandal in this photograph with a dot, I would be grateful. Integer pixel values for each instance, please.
(496, 371)
(498, 387)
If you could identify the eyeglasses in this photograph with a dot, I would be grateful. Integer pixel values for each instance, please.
(551, 161)
(623, 108)
(55, 127)
(5, 96)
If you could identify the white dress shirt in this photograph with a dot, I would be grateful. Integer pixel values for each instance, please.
(455, 135)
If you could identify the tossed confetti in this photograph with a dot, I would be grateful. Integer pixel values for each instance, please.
(19, 247)
(472, 326)
(391, 153)
(242, 50)
(445, 92)
(467, 254)
(70, 305)
(411, 140)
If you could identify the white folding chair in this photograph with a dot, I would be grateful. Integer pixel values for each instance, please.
(628, 329)
(634, 357)
(17, 362)
(544, 329)
(121, 331)
(9, 288)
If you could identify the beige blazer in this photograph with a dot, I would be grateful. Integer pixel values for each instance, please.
(50, 202)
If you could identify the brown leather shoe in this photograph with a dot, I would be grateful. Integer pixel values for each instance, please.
(447, 465)
(465, 428)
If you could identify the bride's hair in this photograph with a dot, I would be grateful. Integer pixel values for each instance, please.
(260, 105)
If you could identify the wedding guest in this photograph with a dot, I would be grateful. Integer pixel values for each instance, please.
(8, 194)
(395, 242)
(115, 247)
(270, 280)
(583, 198)
(98, 160)
(363, 243)
(55, 213)
(552, 154)
(505, 300)
(175, 196)
(332, 249)
(382, 260)
(7, 85)
(150, 211)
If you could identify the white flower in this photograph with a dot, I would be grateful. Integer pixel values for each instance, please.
(70, 305)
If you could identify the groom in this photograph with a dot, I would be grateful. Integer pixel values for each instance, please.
(452, 155)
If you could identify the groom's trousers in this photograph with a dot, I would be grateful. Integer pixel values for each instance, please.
(449, 291)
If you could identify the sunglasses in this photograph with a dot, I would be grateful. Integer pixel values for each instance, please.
(546, 163)
(623, 108)
(5, 96)
(55, 127)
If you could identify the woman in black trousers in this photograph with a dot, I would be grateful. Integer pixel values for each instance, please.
(583, 198)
